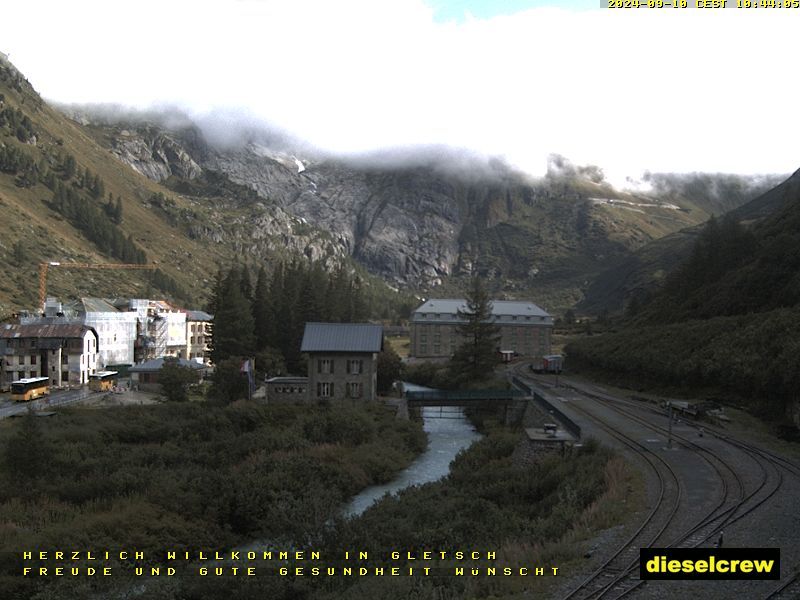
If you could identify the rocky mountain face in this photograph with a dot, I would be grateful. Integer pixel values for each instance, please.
(417, 224)
(421, 220)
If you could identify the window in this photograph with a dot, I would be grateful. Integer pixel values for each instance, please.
(423, 349)
(33, 343)
(324, 365)
(355, 389)
(21, 375)
(437, 349)
(34, 374)
(355, 366)
(324, 390)
(33, 359)
(64, 359)
(65, 376)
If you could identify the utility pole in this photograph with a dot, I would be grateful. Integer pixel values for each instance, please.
(669, 439)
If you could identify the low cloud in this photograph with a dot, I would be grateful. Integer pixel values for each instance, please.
(661, 90)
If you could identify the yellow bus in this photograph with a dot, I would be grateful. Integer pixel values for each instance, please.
(103, 381)
(25, 390)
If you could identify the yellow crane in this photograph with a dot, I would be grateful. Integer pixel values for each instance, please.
(43, 267)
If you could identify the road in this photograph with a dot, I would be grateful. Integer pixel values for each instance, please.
(56, 399)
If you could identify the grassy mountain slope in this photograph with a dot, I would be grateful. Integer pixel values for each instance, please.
(727, 317)
(33, 230)
(55, 212)
(645, 270)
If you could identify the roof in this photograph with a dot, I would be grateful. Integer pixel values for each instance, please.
(44, 330)
(499, 307)
(151, 366)
(342, 337)
(87, 305)
(198, 315)
(31, 380)
(104, 374)
(287, 380)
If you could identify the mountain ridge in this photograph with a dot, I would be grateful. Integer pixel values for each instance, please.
(423, 219)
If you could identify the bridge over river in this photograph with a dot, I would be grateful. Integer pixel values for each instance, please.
(464, 398)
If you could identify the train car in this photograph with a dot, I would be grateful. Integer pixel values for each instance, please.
(31, 388)
(103, 381)
(551, 363)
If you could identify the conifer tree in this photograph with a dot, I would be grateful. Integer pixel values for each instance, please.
(477, 355)
(246, 283)
(262, 312)
(232, 326)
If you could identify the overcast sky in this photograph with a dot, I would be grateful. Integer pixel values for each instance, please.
(664, 90)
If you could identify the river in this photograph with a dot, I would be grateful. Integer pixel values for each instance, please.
(446, 438)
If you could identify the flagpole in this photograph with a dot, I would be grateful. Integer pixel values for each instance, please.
(251, 379)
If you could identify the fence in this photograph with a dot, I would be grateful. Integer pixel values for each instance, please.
(571, 426)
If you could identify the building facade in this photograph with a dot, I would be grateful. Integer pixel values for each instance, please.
(161, 329)
(525, 328)
(66, 353)
(342, 360)
(198, 335)
(287, 389)
(116, 329)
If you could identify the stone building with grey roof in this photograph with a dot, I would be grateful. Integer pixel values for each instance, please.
(525, 328)
(342, 360)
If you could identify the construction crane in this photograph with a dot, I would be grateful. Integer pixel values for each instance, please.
(43, 267)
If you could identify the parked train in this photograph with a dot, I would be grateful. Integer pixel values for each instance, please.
(551, 363)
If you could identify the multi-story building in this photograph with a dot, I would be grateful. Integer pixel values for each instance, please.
(342, 360)
(525, 328)
(198, 335)
(161, 329)
(115, 327)
(65, 352)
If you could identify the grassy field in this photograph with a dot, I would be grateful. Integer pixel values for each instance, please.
(401, 345)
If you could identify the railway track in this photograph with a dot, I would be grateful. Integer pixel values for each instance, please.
(736, 500)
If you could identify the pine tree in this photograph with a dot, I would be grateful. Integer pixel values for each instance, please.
(477, 355)
(246, 283)
(68, 166)
(117, 214)
(233, 321)
(262, 312)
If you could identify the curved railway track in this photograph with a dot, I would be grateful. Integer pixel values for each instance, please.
(618, 576)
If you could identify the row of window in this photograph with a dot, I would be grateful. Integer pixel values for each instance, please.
(497, 317)
(290, 389)
(527, 348)
(352, 366)
(352, 389)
